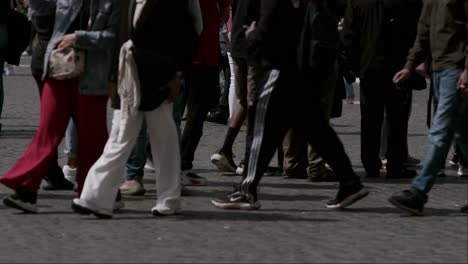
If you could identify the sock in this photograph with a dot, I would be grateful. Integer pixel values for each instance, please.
(229, 140)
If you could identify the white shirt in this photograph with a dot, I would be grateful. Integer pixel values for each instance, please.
(140, 4)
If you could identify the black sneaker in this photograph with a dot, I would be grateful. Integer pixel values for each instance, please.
(373, 175)
(218, 117)
(58, 185)
(236, 201)
(273, 171)
(404, 174)
(464, 209)
(296, 175)
(347, 196)
(323, 175)
(411, 201)
(23, 200)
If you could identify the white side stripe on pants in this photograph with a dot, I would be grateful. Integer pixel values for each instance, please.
(258, 130)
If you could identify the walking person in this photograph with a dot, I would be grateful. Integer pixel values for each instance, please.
(15, 32)
(202, 85)
(288, 83)
(246, 72)
(149, 81)
(42, 19)
(442, 35)
(375, 49)
(87, 25)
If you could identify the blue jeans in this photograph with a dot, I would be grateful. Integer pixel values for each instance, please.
(450, 120)
(71, 141)
(137, 160)
(349, 90)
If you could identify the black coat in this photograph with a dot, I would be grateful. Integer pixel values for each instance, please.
(379, 33)
(4, 8)
(165, 41)
(19, 36)
(43, 25)
(319, 43)
(244, 12)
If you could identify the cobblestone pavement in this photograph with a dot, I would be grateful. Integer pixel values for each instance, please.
(292, 226)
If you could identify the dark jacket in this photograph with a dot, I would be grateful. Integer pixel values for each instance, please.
(4, 7)
(19, 36)
(165, 41)
(277, 33)
(378, 33)
(442, 34)
(44, 26)
(319, 43)
(244, 12)
(122, 36)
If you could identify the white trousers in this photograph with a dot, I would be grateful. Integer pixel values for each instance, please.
(232, 98)
(107, 174)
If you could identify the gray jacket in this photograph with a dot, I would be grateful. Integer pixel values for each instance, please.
(97, 41)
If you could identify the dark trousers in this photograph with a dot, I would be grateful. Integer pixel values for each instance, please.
(379, 95)
(54, 173)
(224, 98)
(202, 93)
(285, 101)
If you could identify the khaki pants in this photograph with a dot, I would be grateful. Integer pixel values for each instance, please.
(298, 157)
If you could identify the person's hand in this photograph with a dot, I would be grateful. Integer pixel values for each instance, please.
(463, 84)
(66, 41)
(400, 77)
(174, 87)
(251, 28)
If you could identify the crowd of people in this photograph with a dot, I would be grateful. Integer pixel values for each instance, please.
(285, 66)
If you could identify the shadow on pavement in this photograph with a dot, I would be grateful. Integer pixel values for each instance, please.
(261, 195)
(301, 185)
(56, 196)
(221, 215)
(392, 210)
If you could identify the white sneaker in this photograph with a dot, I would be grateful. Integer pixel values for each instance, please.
(462, 171)
(240, 168)
(149, 166)
(69, 173)
(223, 162)
(164, 212)
(412, 161)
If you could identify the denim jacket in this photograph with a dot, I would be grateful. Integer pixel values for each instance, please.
(97, 41)
(42, 7)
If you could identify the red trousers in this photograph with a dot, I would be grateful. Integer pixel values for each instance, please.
(60, 101)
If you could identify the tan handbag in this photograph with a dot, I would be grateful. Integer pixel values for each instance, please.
(66, 64)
